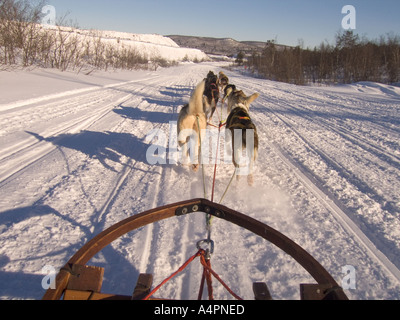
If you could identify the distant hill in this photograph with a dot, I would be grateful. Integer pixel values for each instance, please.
(220, 46)
(152, 46)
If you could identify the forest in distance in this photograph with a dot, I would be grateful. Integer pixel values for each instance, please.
(351, 59)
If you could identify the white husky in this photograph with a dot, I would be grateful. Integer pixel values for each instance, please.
(192, 123)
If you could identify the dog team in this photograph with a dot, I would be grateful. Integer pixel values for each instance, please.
(240, 133)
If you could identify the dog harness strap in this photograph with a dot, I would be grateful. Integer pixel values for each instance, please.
(244, 118)
(238, 126)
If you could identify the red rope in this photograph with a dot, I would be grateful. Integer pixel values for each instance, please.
(206, 276)
(215, 166)
(184, 266)
(221, 125)
(207, 265)
(207, 272)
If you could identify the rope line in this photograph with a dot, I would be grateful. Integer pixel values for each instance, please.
(229, 185)
(207, 265)
(205, 255)
(183, 267)
(206, 278)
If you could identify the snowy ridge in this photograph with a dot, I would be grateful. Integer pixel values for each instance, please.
(73, 163)
(150, 45)
(148, 38)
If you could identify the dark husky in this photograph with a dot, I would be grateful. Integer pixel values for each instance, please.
(239, 121)
(223, 80)
(211, 95)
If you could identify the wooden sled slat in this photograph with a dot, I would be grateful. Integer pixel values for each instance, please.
(143, 286)
(85, 278)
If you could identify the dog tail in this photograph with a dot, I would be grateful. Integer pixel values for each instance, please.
(196, 100)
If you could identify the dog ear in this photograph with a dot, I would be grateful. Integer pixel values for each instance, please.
(252, 98)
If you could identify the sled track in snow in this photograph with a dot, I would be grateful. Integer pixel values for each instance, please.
(325, 197)
(135, 96)
(339, 214)
(31, 150)
(356, 139)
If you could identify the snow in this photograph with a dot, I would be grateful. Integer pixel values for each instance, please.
(152, 46)
(118, 35)
(44, 84)
(73, 163)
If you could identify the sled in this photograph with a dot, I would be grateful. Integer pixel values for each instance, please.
(77, 281)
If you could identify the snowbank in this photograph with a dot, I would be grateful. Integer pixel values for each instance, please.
(153, 46)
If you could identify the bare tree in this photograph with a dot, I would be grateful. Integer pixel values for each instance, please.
(351, 59)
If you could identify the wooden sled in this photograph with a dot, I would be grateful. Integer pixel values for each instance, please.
(77, 281)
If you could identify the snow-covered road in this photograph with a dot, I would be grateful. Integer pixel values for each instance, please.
(328, 176)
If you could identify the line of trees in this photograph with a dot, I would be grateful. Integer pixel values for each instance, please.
(351, 59)
(25, 42)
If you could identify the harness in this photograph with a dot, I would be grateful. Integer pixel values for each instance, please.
(240, 108)
(214, 89)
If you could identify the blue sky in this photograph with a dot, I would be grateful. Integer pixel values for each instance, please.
(287, 21)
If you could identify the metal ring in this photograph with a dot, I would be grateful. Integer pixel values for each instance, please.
(210, 242)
